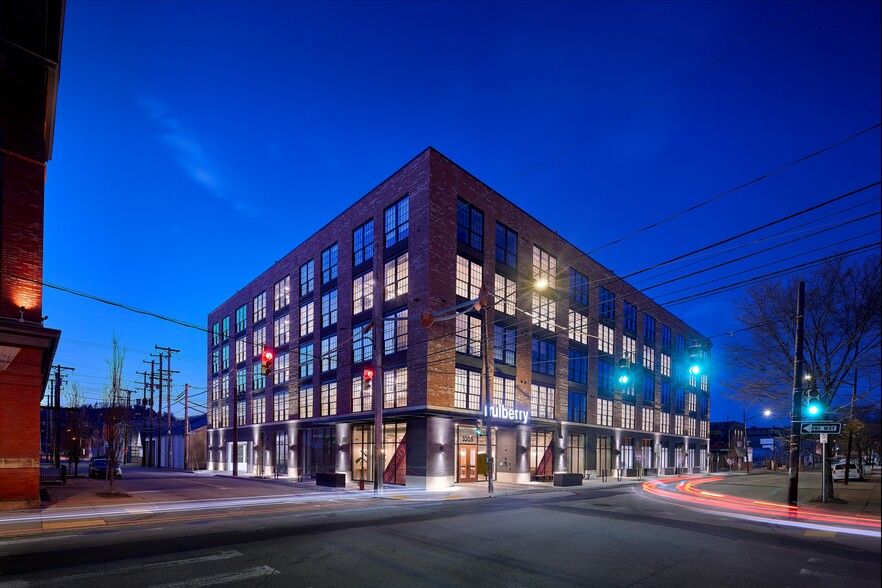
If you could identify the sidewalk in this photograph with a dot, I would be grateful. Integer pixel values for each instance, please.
(859, 497)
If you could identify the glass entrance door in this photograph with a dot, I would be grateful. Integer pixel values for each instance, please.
(468, 463)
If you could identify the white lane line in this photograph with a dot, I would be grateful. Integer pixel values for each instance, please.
(117, 571)
(243, 575)
(805, 572)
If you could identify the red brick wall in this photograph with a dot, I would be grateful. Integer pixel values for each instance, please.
(20, 423)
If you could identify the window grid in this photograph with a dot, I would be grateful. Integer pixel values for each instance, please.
(225, 328)
(241, 381)
(241, 350)
(282, 293)
(544, 352)
(506, 295)
(306, 402)
(258, 380)
(647, 422)
(627, 416)
(506, 246)
(504, 391)
(329, 308)
(329, 353)
(258, 341)
(363, 243)
(543, 312)
(329, 263)
(604, 412)
(605, 339)
(396, 277)
(629, 312)
(362, 343)
(258, 308)
(328, 405)
(604, 375)
(241, 318)
(648, 388)
(504, 344)
(664, 422)
(240, 412)
(544, 266)
(648, 357)
(665, 393)
(542, 401)
(467, 392)
(307, 318)
(306, 360)
(395, 388)
(281, 331)
(362, 293)
(258, 410)
(225, 357)
(578, 366)
(307, 277)
(396, 220)
(648, 328)
(578, 287)
(395, 332)
(469, 278)
(361, 397)
(280, 406)
(578, 327)
(577, 407)
(280, 368)
(469, 225)
(665, 364)
(468, 334)
(607, 305)
(629, 348)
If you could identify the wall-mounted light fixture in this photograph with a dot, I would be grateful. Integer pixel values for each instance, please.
(441, 447)
(21, 310)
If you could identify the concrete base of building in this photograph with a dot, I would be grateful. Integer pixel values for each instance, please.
(430, 482)
(513, 477)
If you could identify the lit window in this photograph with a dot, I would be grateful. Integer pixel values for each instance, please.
(543, 312)
(241, 350)
(362, 293)
(258, 410)
(280, 406)
(395, 388)
(361, 397)
(468, 278)
(468, 334)
(506, 295)
(329, 399)
(467, 393)
(396, 277)
(395, 332)
(241, 318)
(258, 309)
(578, 327)
(307, 277)
(307, 319)
(258, 342)
(282, 293)
(627, 416)
(363, 243)
(648, 357)
(329, 353)
(396, 220)
(504, 391)
(306, 402)
(281, 331)
(604, 412)
(329, 308)
(605, 339)
(542, 401)
(544, 267)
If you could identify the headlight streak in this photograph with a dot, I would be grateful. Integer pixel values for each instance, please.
(685, 491)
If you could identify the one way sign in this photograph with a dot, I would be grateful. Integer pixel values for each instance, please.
(817, 428)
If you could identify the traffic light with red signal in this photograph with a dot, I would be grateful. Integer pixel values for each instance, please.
(266, 360)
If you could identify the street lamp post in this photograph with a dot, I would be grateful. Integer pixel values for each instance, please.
(765, 413)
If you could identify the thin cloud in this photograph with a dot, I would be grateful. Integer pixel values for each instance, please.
(189, 154)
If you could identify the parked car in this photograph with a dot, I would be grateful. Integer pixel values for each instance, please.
(853, 472)
(98, 468)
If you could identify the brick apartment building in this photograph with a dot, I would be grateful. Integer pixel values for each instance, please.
(30, 54)
(438, 239)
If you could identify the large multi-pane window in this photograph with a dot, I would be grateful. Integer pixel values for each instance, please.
(681, 345)
(258, 308)
(648, 328)
(665, 364)
(280, 368)
(605, 339)
(578, 287)
(258, 341)
(648, 387)
(307, 318)
(646, 422)
(627, 416)
(607, 304)
(544, 267)
(395, 332)
(241, 381)
(240, 412)
(329, 263)
(604, 412)
(578, 327)
(504, 344)
(241, 318)
(225, 328)
(329, 308)
(604, 375)
(578, 366)
(395, 388)
(665, 393)
(629, 348)
(363, 243)
(307, 277)
(215, 334)
(362, 293)
(691, 401)
(469, 225)
(544, 352)
(629, 312)
(215, 361)
(280, 406)
(678, 425)
(306, 402)
(396, 220)
(361, 395)
(506, 246)
(629, 392)
(467, 392)
(282, 293)
(543, 312)
(703, 405)
(241, 350)
(468, 334)
(681, 398)
(504, 391)
(225, 357)
(468, 278)
(542, 401)
(506, 295)
(328, 399)
(648, 357)
(577, 407)
(305, 360)
(258, 380)
(666, 336)
(281, 331)
(258, 410)
(329, 353)
(396, 276)
(664, 422)
(362, 343)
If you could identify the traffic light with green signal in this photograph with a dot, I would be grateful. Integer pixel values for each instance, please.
(623, 377)
(812, 407)
(696, 361)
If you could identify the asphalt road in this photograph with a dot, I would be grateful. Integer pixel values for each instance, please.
(598, 536)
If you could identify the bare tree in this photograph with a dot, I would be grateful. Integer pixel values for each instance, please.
(842, 337)
(116, 413)
(78, 426)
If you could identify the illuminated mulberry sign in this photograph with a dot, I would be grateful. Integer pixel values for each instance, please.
(507, 414)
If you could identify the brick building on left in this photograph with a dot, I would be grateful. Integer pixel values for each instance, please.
(30, 55)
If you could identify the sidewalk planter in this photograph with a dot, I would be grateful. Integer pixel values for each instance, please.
(567, 479)
(331, 480)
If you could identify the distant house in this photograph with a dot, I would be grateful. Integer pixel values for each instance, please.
(172, 456)
(728, 449)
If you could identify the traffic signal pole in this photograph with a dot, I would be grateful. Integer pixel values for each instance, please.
(796, 410)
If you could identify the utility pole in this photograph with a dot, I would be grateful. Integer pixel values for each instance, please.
(143, 418)
(149, 452)
(484, 302)
(850, 432)
(186, 426)
(796, 409)
(379, 327)
(57, 448)
(127, 429)
(168, 443)
(235, 410)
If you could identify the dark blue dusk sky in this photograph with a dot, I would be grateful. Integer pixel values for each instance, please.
(199, 142)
